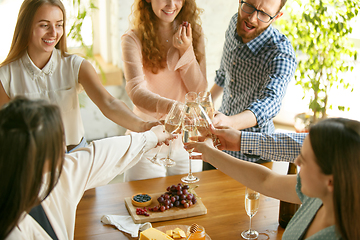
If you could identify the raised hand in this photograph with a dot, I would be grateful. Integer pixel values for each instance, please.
(150, 124)
(163, 136)
(229, 138)
(221, 119)
(182, 39)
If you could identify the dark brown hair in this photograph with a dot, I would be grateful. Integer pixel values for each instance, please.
(31, 144)
(23, 29)
(146, 26)
(336, 144)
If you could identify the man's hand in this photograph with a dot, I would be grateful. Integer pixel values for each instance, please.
(221, 120)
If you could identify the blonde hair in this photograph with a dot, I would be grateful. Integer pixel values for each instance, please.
(146, 25)
(23, 29)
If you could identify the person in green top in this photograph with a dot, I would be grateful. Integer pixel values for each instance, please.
(327, 185)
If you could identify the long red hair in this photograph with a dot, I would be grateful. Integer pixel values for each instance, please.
(146, 25)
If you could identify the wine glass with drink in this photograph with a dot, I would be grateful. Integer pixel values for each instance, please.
(206, 102)
(190, 132)
(252, 200)
(172, 124)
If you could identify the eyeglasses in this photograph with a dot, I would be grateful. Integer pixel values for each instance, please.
(262, 16)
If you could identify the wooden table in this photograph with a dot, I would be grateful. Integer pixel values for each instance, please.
(223, 197)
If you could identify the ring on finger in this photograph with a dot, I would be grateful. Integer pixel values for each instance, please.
(180, 41)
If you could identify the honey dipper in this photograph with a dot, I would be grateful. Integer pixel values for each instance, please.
(194, 227)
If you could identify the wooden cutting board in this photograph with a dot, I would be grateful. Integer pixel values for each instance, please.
(170, 214)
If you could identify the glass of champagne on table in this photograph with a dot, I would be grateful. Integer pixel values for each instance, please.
(252, 200)
(172, 124)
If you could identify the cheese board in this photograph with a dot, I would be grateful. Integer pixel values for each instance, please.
(170, 214)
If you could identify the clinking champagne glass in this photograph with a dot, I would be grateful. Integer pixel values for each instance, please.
(252, 200)
(189, 135)
(206, 102)
(155, 159)
(173, 122)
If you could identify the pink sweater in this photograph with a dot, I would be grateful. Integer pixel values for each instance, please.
(153, 94)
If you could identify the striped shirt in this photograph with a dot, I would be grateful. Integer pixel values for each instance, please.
(255, 76)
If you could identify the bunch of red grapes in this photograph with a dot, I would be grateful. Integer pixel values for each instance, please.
(175, 196)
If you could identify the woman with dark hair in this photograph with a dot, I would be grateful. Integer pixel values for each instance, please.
(327, 185)
(164, 58)
(38, 181)
(38, 66)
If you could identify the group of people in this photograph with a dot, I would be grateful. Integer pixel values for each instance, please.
(164, 58)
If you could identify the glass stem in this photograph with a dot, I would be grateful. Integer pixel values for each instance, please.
(250, 225)
(190, 172)
(169, 152)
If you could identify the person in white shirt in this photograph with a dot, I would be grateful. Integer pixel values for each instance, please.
(38, 66)
(36, 174)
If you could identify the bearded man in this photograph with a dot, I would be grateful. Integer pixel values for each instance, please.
(257, 64)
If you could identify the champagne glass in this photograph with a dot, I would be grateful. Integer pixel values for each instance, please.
(206, 102)
(172, 124)
(191, 100)
(189, 132)
(155, 159)
(252, 200)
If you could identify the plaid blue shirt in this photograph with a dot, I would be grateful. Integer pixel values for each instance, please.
(255, 76)
(276, 146)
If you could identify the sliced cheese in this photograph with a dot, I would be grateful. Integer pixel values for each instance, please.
(153, 234)
(176, 233)
(182, 233)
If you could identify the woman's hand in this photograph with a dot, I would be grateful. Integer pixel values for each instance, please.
(150, 124)
(162, 135)
(182, 39)
(203, 145)
(229, 138)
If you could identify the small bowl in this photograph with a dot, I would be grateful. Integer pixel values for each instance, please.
(141, 204)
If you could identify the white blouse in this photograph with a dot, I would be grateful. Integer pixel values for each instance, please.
(84, 169)
(57, 82)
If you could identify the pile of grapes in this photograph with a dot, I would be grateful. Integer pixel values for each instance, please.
(175, 196)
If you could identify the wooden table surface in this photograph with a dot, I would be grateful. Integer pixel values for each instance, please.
(223, 197)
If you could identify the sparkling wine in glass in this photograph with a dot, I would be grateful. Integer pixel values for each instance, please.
(252, 200)
(190, 133)
(206, 102)
(191, 100)
(172, 124)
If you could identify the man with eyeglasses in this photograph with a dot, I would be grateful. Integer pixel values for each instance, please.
(257, 64)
